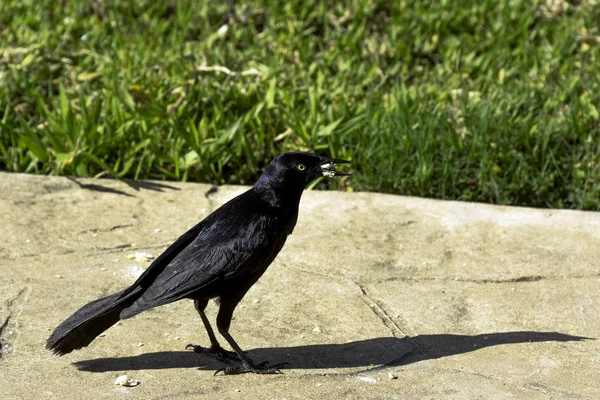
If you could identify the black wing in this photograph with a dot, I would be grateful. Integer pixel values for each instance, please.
(177, 247)
(232, 244)
(164, 259)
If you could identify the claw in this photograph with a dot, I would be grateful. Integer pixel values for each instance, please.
(218, 352)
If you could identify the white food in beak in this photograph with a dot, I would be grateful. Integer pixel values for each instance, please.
(328, 169)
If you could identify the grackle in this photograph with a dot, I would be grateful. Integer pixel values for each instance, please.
(219, 258)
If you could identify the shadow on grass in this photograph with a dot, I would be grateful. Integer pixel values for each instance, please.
(382, 352)
(136, 185)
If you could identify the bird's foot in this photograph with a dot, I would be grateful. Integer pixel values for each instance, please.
(217, 351)
(262, 368)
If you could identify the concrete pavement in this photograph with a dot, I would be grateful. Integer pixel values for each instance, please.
(373, 296)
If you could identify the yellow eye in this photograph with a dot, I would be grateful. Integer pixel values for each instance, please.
(300, 167)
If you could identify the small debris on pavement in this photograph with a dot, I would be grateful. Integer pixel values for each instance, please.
(140, 256)
(124, 380)
(392, 376)
(367, 379)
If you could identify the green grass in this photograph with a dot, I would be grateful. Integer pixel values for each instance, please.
(490, 100)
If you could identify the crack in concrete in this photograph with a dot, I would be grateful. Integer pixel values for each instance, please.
(306, 271)
(520, 279)
(528, 386)
(534, 387)
(111, 229)
(10, 307)
(97, 250)
(5, 324)
(41, 255)
(386, 320)
(375, 308)
(112, 249)
(2, 328)
(10, 302)
(563, 393)
(121, 247)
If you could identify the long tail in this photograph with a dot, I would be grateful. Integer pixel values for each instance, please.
(88, 322)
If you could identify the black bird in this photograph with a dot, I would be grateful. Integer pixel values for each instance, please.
(219, 258)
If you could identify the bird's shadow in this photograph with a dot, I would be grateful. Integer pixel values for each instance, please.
(378, 352)
(136, 185)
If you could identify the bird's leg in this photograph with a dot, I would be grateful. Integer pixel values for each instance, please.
(223, 323)
(215, 348)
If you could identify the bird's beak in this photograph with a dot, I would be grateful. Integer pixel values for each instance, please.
(329, 166)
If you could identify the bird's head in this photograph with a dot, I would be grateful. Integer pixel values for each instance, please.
(290, 173)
